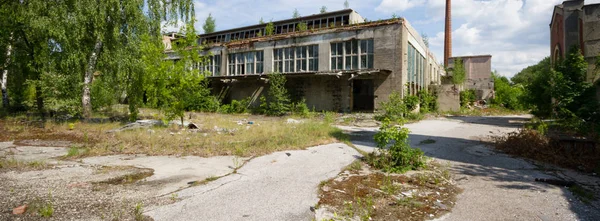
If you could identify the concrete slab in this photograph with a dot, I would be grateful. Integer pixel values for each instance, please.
(173, 172)
(279, 186)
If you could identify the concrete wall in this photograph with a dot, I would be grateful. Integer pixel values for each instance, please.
(448, 97)
(479, 75)
(591, 33)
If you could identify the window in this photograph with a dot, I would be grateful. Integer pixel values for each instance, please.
(301, 59)
(366, 54)
(313, 58)
(352, 55)
(278, 60)
(337, 54)
(246, 63)
(212, 65)
(296, 59)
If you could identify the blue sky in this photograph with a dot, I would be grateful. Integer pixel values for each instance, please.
(514, 32)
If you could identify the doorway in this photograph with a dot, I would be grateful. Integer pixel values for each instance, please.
(363, 95)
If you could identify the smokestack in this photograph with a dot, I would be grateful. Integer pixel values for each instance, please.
(448, 35)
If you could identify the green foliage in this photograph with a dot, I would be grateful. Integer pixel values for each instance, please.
(269, 29)
(296, 13)
(459, 74)
(261, 21)
(394, 109)
(300, 108)
(346, 4)
(236, 107)
(536, 81)
(400, 157)
(507, 94)
(209, 24)
(323, 9)
(278, 103)
(302, 27)
(467, 97)
(411, 102)
(428, 101)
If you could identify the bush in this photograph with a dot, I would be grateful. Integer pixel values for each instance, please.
(411, 102)
(236, 107)
(467, 97)
(400, 157)
(278, 103)
(428, 102)
(394, 110)
(300, 108)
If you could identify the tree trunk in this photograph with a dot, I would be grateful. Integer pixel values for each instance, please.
(5, 101)
(87, 80)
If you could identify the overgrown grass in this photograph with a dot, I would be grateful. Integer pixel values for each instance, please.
(19, 164)
(218, 134)
(490, 111)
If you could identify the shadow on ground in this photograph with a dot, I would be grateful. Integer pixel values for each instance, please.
(475, 157)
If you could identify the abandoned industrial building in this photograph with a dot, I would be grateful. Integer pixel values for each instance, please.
(336, 62)
(575, 24)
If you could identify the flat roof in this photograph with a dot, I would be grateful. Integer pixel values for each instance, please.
(472, 56)
(309, 17)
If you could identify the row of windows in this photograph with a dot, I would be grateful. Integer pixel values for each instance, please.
(348, 55)
(246, 63)
(352, 55)
(335, 21)
(416, 70)
(212, 65)
(296, 59)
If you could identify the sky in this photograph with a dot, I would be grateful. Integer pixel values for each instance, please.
(514, 32)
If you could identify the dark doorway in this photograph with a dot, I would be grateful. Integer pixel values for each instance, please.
(363, 95)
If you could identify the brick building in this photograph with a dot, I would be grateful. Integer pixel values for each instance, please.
(575, 24)
(340, 63)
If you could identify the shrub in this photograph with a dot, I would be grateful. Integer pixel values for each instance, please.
(428, 101)
(300, 108)
(278, 103)
(411, 102)
(394, 110)
(236, 107)
(467, 97)
(400, 157)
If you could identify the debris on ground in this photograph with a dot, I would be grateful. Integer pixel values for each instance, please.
(138, 124)
(20, 210)
(367, 194)
(293, 121)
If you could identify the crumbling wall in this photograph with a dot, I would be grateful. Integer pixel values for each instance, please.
(448, 97)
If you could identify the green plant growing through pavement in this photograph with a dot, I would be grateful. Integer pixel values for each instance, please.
(400, 157)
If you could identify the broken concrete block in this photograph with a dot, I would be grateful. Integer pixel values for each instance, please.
(20, 210)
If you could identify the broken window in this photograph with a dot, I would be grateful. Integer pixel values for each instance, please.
(352, 55)
(288, 60)
(301, 58)
(231, 64)
(278, 60)
(246, 63)
(313, 58)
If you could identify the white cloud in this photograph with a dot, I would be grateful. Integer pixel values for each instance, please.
(397, 5)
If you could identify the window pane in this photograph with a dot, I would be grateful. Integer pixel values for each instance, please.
(355, 62)
(259, 68)
(363, 46)
(370, 46)
(340, 64)
(333, 64)
(354, 47)
(340, 49)
(333, 49)
(370, 61)
(363, 61)
(250, 68)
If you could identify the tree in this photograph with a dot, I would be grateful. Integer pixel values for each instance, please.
(209, 24)
(261, 21)
(4, 80)
(323, 9)
(302, 26)
(278, 102)
(296, 13)
(269, 29)
(346, 4)
(458, 72)
(507, 94)
(527, 75)
(425, 39)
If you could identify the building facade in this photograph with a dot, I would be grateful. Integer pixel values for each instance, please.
(336, 62)
(575, 24)
(478, 74)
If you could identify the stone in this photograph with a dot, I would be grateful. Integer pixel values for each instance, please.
(292, 121)
(20, 210)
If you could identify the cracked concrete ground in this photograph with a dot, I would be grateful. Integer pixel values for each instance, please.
(496, 186)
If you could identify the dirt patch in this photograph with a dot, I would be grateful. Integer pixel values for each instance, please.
(370, 195)
(132, 175)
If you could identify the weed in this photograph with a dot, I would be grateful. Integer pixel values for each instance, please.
(400, 157)
(47, 210)
(137, 212)
(328, 117)
(583, 194)
(355, 166)
(17, 164)
(174, 196)
(323, 183)
(388, 186)
(211, 178)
